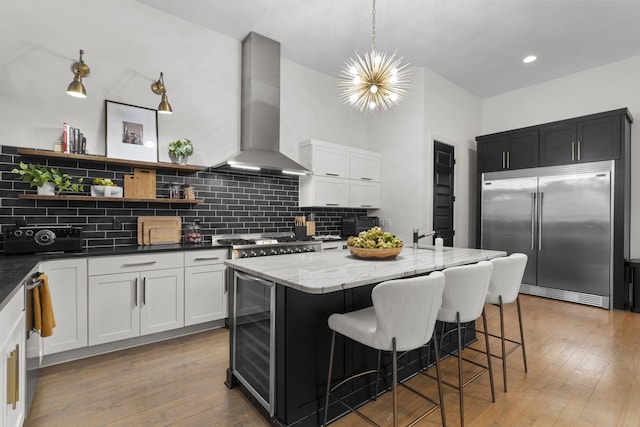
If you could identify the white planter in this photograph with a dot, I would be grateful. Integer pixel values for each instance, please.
(106, 191)
(181, 160)
(47, 189)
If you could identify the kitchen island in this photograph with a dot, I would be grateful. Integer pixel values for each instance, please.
(279, 338)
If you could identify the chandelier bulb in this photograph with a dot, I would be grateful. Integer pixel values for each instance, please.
(372, 105)
(356, 80)
(393, 97)
(353, 70)
(353, 98)
(373, 89)
(393, 79)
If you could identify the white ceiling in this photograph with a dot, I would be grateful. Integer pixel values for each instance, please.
(477, 44)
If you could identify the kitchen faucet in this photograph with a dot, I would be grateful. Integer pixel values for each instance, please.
(417, 237)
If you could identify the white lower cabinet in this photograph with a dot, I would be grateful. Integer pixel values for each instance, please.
(205, 287)
(68, 289)
(12, 358)
(141, 296)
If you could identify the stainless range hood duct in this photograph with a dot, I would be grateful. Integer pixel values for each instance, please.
(260, 115)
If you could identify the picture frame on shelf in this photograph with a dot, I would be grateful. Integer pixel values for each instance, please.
(131, 132)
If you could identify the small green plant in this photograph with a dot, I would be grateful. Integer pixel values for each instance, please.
(181, 148)
(37, 176)
(103, 181)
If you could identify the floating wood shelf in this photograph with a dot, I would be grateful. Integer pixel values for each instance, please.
(109, 199)
(103, 159)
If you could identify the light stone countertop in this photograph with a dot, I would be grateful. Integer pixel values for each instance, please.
(330, 271)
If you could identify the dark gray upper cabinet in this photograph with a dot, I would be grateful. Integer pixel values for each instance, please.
(589, 138)
(581, 140)
(508, 150)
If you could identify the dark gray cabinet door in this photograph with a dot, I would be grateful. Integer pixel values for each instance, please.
(509, 150)
(558, 144)
(491, 155)
(579, 141)
(523, 150)
(598, 139)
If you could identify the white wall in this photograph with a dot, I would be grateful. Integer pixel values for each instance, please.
(435, 109)
(127, 45)
(600, 89)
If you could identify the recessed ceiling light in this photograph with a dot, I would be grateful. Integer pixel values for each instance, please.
(529, 59)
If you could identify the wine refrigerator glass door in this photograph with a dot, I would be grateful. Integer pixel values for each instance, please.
(254, 337)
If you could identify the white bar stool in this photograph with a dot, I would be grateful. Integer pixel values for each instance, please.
(463, 301)
(504, 289)
(402, 318)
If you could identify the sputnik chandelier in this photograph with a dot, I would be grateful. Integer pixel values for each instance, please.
(375, 81)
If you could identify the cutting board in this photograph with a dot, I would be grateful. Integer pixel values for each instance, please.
(156, 230)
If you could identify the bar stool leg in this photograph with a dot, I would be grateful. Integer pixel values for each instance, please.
(326, 402)
(502, 340)
(460, 382)
(440, 393)
(524, 354)
(486, 341)
(395, 383)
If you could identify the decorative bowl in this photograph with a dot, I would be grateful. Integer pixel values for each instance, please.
(375, 253)
(106, 191)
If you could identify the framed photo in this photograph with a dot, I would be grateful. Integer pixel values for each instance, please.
(132, 132)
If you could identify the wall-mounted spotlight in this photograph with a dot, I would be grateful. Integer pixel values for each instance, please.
(80, 71)
(159, 89)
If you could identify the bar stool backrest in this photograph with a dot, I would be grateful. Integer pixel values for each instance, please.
(506, 278)
(465, 291)
(406, 309)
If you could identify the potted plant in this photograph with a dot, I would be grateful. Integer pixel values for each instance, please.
(105, 187)
(180, 150)
(47, 179)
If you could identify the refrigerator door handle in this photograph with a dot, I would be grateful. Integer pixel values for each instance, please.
(540, 221)
(533, 220)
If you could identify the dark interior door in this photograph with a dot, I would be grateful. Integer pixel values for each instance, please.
(443, 197)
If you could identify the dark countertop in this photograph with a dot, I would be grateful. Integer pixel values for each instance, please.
(14, 268)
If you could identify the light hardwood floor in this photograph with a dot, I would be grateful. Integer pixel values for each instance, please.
(584, 370)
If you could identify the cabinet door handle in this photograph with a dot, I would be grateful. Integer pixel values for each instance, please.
(331, 174)
(13, 378)
(332, 204)
(364, 178)
(579, 150)
(137, 264)
(503, 162)
(508, 159)
(206, 258)
(144, 291)
(572, 151)
(365, 206)
(135, 292)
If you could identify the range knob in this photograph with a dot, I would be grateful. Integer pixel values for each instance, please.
(297, 250)
(244, 255)
(262, 252)
(273, 252)
(282, 251)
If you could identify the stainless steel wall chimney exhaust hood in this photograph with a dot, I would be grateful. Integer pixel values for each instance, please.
(260, 114)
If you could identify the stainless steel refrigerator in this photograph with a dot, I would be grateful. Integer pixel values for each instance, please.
(562, 218)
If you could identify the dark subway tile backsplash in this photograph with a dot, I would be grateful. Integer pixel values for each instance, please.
(234, 203)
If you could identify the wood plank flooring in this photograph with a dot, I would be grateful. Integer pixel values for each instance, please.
(584, 370)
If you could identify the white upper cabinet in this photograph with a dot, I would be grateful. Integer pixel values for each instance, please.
(342, 176)
(325, 160)
(364, 166)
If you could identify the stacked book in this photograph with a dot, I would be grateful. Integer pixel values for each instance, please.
(73, 141)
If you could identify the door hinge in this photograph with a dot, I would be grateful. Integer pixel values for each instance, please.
(453, 198)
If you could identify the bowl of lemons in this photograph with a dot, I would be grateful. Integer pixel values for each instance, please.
(374, 244)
